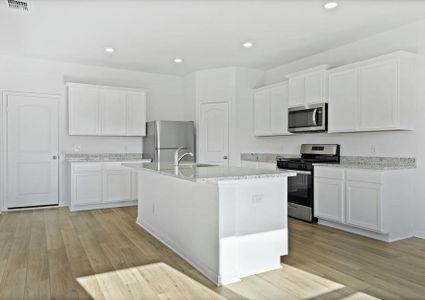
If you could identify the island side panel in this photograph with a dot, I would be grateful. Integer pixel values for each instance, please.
(184, 216)
(253, 226)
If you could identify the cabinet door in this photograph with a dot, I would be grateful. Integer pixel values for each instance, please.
(113, 112)
(378, 94)
(363, 201)
(136, 114)
(83, 104)
(343, 101)
(261, 113)
(314, 88)
(117, 185)
(297, 92)
(86, 188)
(279, 109)
(329, 199)
(134, 195)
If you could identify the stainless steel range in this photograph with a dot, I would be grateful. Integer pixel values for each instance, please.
(300, 187)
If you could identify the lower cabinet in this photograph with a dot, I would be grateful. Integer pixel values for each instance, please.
(375, 203)
(331, 194)
(101, 185)
(364, 205)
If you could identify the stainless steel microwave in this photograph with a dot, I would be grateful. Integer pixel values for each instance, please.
(313, 118)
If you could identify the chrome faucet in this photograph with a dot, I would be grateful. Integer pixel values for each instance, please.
(178, 158)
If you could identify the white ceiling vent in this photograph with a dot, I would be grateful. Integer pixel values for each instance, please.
(20, 5)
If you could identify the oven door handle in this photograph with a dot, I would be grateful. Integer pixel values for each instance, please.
(298, 171)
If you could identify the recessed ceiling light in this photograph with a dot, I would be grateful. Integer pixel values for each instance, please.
(178, 60)
(248, 44)
(330, 4)
(109, 49)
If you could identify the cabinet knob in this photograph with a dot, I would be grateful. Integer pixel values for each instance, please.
(55, 157)
(225, 157)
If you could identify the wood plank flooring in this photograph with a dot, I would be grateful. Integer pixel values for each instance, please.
(103, 254)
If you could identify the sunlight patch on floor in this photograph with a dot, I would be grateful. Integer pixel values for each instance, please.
(152, 281)
(290, 283)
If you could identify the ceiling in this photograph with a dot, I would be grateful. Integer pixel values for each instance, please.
(148, 35)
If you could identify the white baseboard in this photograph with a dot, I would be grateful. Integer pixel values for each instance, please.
(420, 234)
(205, 270)
(103, 205)
(385, 237)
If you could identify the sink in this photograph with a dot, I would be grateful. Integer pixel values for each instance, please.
(199, 165)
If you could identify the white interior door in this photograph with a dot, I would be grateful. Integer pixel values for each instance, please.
(32, 150)
(214, 133)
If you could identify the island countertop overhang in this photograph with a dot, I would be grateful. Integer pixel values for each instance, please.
(207, 174)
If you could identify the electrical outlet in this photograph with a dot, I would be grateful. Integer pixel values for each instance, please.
(77, 148)
(373, 149)
(126, 148)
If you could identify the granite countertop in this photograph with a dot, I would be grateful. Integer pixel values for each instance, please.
(105, 157)
(266, 157)
(207, 174)
(373, 163)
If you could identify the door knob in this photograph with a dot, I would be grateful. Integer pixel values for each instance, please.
(225, 157)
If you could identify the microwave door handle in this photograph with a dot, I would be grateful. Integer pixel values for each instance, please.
(314, 117)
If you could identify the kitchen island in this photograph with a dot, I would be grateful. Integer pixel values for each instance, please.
(228, 222)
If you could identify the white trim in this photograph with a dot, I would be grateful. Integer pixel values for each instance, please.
(305, 72)
(77, 84)
(3, 183)
(103, 205)
(205, 270)
(385, 237)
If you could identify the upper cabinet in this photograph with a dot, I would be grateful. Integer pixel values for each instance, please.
(106, 111)
(308, 86)
(373, 95)
(271, 110)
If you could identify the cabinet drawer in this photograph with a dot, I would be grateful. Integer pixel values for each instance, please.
(329, 172)
(364, 176)
(86, 167)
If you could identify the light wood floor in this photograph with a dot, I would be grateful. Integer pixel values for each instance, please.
(103, 254)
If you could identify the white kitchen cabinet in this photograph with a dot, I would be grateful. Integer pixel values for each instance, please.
(329, 195)
(136, 114)
(84, 111)
(106, 111)
(364, 200)
(377, 94)
(343, 108)
(308, 86)
(101, 185)
(86, 185)
(374, 203)
(113, 104)
(296, 91)
(271, 110)
(117, 183)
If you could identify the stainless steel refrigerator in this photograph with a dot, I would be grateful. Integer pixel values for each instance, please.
(163, 138)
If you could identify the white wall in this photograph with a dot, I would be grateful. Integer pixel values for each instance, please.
(165, 98)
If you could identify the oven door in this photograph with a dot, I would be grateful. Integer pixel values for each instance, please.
(300, 195)
(307, 120)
